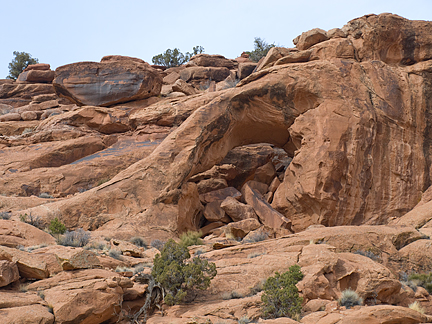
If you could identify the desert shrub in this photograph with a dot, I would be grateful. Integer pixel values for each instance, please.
(350, 298)
(41, 294)
(138, 268)
(116, 254)
(35, 221)
(78, 238)
(171, 58)
(368, 254)
(138, 241)
(19, 63)
(191, 238)
(244, 320)
(261, 49)
(417, 307)
(259, 286)
(123, 269)
(5, 215)
(421, 279)
(178, 276)
(56, 227)
(45, 195)
(157, 244)
(281, 297)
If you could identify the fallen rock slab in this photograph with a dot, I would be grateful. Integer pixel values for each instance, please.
(29, 265)
(8, 272)
(26, 315)
(267, 215)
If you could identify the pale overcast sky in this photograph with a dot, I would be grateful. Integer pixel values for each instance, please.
(61, 32)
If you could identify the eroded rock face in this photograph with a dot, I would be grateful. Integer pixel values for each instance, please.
(109, 82)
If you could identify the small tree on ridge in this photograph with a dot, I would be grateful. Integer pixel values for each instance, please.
(19, 63)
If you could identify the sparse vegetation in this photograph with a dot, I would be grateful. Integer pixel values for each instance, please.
(369, 254)
(5, 215)
(179, 277)
(421, 279)
(244, 320)
(123, 269)
(350, 298)
(138, 241)
(41, 294)
(19, 63)
(157, 244)
(78, 238)
(116, 254)
(259, 286)
(171, 58)
(35, 221)
(232, 295)
(281, 297)
(261, 48)
(417, 307)
(191, 238)
(45, 195)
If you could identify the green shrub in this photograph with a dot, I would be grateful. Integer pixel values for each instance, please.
(281, 297)
(19, 63)
(191, 238)
(157, 244)
(350, 298)
(171, 58)
(261, 49)
(56, 227)
(422, 279)
(178, 276)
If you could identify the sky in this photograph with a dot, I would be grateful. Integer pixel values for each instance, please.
(60, 32)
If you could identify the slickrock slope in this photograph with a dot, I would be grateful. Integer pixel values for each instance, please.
(323, 151)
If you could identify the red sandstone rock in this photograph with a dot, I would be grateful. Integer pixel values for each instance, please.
(267, 215)
(29, 266)
(36, 76)
(38, 67)
(236, 210)
(16, 233)
(245, 69)
(78, 82)
(310, 38)
(213, 61)
(8, 272)
(26, 315)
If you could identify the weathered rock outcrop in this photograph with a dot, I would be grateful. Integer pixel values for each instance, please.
(106, 83)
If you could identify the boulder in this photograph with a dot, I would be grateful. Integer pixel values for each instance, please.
(199, 74)
(245, 69)
(15, 233)
(29, 115)
(29, 265)
(294, 57)
(8, 272)
(220, 194)
(37, 67)
(214, 213)
(310, 38)
(36, 76)
(207, 60)
(27, 315)
(106, 83)
(212, 184)
(242, 228)
(267, 215)
(10, 117)
(237, 210)
(182, 86)
(274, 54)
(171, 78)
